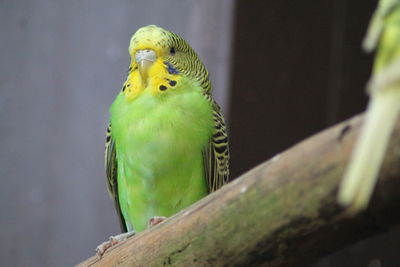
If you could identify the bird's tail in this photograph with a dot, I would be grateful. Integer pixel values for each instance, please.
(361, 175)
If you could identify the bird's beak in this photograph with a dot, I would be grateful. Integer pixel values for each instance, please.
(144, 59)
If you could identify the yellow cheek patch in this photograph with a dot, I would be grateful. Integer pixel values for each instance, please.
(160, 81)
(133, 86)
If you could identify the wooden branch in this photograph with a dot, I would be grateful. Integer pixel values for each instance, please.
(281, 213)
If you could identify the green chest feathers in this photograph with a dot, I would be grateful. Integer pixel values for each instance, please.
(159, 144)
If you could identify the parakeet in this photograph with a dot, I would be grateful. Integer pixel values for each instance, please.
(383, 109)
(166, 145)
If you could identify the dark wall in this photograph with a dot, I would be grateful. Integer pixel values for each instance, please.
(298, 68)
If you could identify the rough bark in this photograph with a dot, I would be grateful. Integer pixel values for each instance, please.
(281, 213)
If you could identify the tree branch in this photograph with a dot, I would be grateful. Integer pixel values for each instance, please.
(281, 213)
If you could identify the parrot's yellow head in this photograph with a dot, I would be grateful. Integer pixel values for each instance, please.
(159, 60)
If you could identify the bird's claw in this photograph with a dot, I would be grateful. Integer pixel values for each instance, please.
(101, 249)
(113, 240)
(156, 220)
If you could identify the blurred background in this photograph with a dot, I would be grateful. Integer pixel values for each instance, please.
(282, 71)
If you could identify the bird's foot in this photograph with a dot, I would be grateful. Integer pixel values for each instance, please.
(156, 220)
(101, 249)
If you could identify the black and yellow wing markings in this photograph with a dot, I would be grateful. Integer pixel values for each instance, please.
(112, 175)
(216, 154)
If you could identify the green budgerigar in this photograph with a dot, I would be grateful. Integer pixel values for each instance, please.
(166, 145)
(384, 107)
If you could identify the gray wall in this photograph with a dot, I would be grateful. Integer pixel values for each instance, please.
(61, 65)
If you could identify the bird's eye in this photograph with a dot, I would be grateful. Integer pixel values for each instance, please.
(172, 50)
